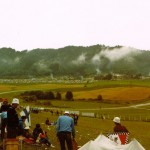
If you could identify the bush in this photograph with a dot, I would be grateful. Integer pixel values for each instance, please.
(69, 95)
(31, 98)
(49, 95)
(99, 98)
(58, 96)
(37, 95)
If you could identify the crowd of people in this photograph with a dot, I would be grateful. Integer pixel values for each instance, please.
(15, 126)
(65, 126)
(9, 118)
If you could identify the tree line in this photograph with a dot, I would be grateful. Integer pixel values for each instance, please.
(30, 96)
(33, 96)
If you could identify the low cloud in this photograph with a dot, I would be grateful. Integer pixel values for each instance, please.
(80, 59)
(114, 54)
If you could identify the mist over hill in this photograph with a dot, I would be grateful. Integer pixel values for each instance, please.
(73, 60)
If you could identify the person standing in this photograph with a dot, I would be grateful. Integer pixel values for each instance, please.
(12, 119)
(3, 112)
(65, 130)
(21, 126)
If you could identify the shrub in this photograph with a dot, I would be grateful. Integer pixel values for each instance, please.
(58, 96)
(99, 98)
(32, 98)
(69, 95)
(49, 95)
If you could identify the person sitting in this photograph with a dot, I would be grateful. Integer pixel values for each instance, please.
(28, 137)
(43, 139)
(27, 133)
(118, 127)
(120, 134)
(40, 136)
(37, 130)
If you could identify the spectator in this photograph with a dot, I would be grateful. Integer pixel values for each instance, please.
(43, 139)
(28, 137)
(27, 133)
(118, 127)
(37, 130)
(47, 122)
(21, 125)
(65, 130)
(57, 112)
(12, 119)
(75, 117)
(51, 112)
(40, 136)
(3, 111)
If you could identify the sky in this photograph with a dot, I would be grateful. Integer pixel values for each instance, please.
(31, 24)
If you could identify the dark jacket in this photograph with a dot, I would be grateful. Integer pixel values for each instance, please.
(4, 108)
(36, 132)
(21, 127)
(12, 117)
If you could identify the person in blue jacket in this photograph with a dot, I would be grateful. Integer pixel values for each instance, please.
(21, 126)
(65, 130)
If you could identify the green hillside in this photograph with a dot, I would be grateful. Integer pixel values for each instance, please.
(74, 61)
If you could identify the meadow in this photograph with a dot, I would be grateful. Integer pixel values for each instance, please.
(120, 98)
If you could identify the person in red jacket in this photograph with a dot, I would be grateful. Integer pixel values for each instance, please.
(43, 139)
(118, 127)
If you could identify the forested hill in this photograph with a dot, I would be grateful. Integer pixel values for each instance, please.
(72, 60)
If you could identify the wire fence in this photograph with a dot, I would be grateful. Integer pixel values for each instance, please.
(126, 117)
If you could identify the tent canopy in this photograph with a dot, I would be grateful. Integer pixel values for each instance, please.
(104, 143)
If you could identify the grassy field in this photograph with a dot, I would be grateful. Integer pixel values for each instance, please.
(89, 128)
(120, 95)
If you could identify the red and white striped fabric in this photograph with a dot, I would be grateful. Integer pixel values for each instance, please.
(119, 137)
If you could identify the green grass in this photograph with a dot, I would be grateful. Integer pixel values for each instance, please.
(89, 128)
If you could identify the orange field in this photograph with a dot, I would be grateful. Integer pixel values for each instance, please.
(118, 93)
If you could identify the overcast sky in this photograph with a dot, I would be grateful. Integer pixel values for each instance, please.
(30, 24)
